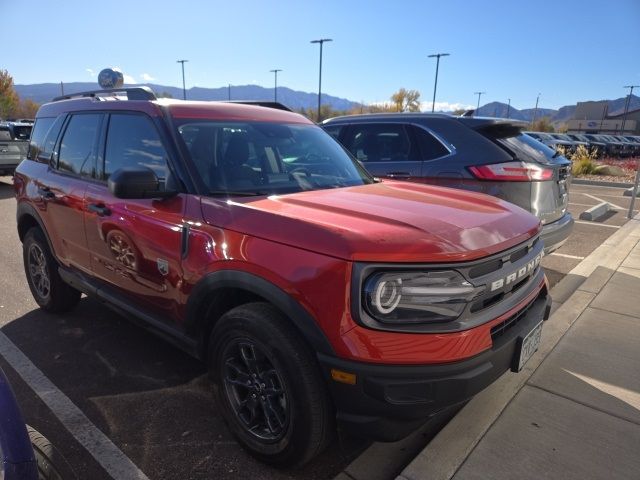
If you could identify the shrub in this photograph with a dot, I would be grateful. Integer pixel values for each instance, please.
(583, 161)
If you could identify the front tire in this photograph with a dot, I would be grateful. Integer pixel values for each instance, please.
(268, 386)
(46, 285)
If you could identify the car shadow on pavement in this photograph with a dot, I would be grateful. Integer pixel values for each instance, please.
(6, 188)
(151, 399)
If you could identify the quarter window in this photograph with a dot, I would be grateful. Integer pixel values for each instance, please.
(43, 138)
(132, 141)
(430, 146)
(77, 149)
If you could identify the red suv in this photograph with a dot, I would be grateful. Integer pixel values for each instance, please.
(249, 237)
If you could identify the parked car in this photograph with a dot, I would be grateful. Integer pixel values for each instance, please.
(24, 453)
(14, 140)
(630, 147)
(485, 155)
(250, 238)
(551, 141)
(611, 147)
(575, 143)
(594, 145)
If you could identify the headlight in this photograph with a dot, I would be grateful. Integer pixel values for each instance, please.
(417, 297)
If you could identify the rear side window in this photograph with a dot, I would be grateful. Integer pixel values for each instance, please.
(132, 141)
(379, 142)
(430, 147)
(333, 130)
(77, 149)
(43, 138)
(522, 146)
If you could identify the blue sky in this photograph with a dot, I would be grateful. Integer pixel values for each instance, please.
(567, 50)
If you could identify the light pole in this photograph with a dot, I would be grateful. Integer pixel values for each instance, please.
(479, 95)
(320, 41)
(275, 88)
(435, 85)
(535, 110)
(184, 90)
(508, 107)
(626, 104)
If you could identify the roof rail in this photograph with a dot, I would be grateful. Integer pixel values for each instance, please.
(133, 93)
(262, 103)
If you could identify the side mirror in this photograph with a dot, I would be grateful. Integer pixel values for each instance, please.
(136, 182)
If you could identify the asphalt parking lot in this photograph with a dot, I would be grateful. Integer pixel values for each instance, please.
(152, 400)
(587, 235)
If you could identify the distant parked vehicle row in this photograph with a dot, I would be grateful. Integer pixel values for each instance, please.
(14, 141)
(620, 146)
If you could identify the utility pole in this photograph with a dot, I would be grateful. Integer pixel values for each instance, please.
(626, 104)
(229, 91)
(479, 95)
(508, 107)
(184, 90)
(62, 89)
(275, 88)
(321, 42)
(435, 85)
(535, 110)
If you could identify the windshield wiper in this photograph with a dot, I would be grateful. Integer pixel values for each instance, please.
(231, 193)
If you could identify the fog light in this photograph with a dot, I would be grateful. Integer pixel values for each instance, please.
(343, 377)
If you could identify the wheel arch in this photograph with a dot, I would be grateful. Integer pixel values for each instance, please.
(220, 291)
(27, 217)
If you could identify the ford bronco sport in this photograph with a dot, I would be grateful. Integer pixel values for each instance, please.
(249, 237)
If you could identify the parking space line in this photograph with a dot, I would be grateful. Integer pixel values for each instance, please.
(564, 255)
(106, 453)
(593, 197)
(595, 224)
(582, 204)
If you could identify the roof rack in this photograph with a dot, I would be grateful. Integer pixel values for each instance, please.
(133, 93)
(262, 103)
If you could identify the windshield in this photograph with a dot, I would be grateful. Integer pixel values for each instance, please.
(258, 158)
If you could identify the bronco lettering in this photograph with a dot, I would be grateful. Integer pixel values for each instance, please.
(512, 277)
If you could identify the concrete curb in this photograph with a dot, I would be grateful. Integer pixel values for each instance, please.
(596, 211)
(445, 454)
(629, 192)
(600, 183)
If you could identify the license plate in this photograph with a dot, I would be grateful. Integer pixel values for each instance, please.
(526, 347)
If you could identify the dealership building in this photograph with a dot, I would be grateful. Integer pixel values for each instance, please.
(593, 117)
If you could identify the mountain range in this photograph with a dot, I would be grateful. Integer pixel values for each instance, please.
(498, 109)
(44, 92)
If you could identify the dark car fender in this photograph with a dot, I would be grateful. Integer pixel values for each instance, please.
(198, 324)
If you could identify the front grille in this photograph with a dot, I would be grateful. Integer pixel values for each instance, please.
(500, 329)
(495, 265)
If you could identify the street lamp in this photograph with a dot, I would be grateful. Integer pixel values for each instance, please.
(184, 90)
(626, 104)
(320, 41)
(479, 95)
(535, 110)
(275, 88)
(435, 86)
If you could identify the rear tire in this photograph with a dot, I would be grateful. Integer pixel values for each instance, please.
(51, 464)
(46, 285)
(268, 386)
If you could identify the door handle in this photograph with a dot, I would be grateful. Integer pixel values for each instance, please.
(46, 193)
(99, 209)
(398, 174)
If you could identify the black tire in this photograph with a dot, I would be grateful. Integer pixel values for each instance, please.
(51, 464)
(46, 285)
(286, 401)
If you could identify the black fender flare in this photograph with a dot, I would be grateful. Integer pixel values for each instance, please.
(300, 318)
(27, 210)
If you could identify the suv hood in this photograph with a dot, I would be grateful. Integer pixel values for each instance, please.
(383, 222)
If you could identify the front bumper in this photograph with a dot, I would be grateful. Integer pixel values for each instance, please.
(556, 233)
(388, 402)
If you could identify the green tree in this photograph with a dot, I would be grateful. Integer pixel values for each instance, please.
(406, 100)
(9, 100)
